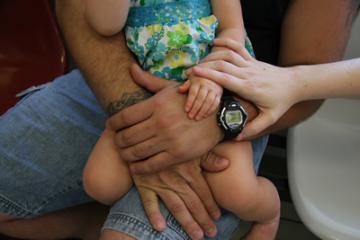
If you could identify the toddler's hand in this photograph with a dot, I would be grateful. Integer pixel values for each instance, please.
(203, 97)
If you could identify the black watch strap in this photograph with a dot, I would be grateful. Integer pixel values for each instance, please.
(230, 133)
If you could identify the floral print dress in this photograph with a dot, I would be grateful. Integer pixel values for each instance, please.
(169, 36)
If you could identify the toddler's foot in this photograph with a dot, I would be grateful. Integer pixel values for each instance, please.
(263, 231)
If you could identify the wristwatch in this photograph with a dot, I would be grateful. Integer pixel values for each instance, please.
(231, 117)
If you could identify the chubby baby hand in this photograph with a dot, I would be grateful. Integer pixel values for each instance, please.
(203, 97)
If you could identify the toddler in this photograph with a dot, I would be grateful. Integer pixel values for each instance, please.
(168, 37)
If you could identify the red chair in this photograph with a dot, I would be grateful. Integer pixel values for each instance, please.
(31, 49)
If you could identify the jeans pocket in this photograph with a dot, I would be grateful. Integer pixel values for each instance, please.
(28, 92)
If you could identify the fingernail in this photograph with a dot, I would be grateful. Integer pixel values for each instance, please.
(216, 215)
(160, 226)
(219, 161)
(211, 232)
(240, 137)
(197, 235)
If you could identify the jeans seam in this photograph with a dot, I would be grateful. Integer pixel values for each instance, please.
(175, 226)
(140, 225)
(9, 204)
(32, 212)
(12, 208)
(48, 199)
(24, 94)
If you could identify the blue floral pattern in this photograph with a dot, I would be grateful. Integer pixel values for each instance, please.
(169, 36)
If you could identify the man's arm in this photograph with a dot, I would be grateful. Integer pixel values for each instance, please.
(105, 62)
(106, 17)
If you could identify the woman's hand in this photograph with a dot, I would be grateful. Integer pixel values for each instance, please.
(185, 193)
(271, 88)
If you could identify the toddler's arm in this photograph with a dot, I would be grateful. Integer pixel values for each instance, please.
(231, 24)
(106, 17)
(203, 94)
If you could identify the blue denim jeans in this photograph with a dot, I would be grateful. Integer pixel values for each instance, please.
(45, 140)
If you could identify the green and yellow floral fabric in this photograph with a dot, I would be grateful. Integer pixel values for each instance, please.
(169, 36)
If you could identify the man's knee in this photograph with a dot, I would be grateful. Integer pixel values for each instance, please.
(114, 235)
(4, 218)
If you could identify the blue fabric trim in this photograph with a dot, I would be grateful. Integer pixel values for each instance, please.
(169, 13)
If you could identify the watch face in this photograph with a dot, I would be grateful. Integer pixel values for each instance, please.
(233, 118)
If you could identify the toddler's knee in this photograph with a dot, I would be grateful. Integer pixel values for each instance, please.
(100, 188)
(239, 198)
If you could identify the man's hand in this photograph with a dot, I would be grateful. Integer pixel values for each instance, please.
(185, 193)
(159, 130)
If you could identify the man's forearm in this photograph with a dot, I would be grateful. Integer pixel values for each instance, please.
(105, 62)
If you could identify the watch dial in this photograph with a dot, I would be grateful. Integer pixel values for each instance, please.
(233, 118)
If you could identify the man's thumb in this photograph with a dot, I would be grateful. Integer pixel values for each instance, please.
(214, 163)
(147, 80)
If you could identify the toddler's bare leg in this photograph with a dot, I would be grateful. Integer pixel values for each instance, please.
(240, 191)
(106, 176)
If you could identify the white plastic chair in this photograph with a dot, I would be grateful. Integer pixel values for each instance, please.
(324, 170)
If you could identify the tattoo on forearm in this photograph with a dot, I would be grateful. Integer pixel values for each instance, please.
(126, 100)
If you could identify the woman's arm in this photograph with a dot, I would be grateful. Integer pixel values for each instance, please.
(313, 32)
(106, 17)
(333, 80)
(274, 90)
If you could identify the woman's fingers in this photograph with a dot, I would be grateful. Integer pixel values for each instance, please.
(223, 66)
(224, 79)
(228, 56)
(233, 45)
(256, 126)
